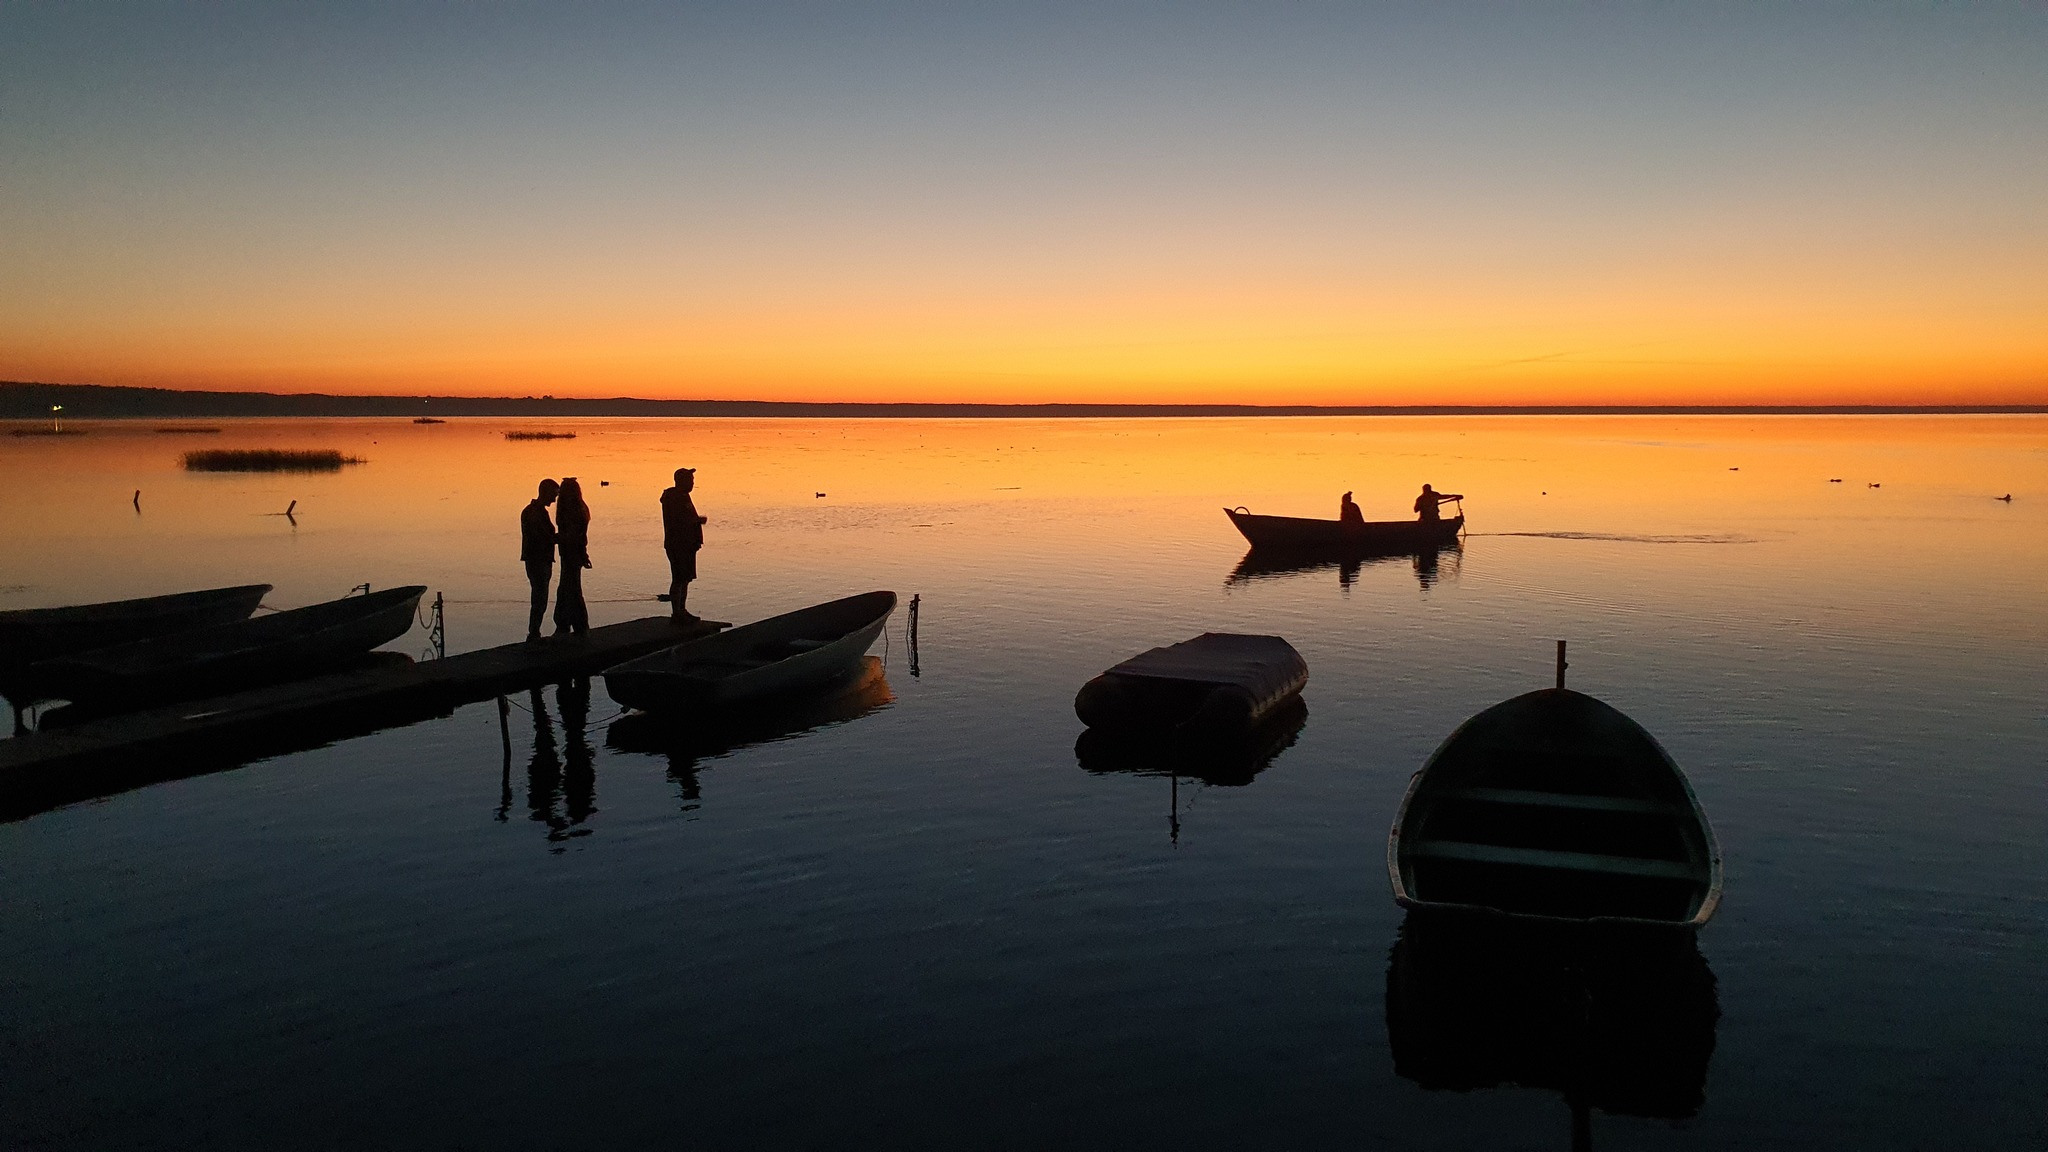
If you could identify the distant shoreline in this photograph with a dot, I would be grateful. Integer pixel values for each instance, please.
(27, 401)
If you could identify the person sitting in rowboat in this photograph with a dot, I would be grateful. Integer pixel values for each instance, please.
(1348, 513)
(1425, 504)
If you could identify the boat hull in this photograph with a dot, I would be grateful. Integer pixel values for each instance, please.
(1219, 685)
(34, 634)
(1555, 807)
(1298, 535)
(756, 663)
(285, 645)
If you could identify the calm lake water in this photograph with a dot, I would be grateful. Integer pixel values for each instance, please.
(927, 925)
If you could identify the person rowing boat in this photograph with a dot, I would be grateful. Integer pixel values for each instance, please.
(1426, 504)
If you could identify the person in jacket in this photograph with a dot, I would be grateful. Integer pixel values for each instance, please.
(537, 552)
(1425, 504)
(682, 537)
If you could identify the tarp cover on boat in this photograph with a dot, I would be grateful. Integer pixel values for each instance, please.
(1218, 680)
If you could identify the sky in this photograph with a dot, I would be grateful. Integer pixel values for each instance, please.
(1280, 202)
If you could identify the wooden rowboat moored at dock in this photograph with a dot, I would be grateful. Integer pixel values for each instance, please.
(1555, 807)
(283, 646)
(759, 662)
(1295, 534)
(31, 634)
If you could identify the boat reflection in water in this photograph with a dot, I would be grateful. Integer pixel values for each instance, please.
(686, 741)
(1230, 763)
(1618, 1021)
(1428, 564)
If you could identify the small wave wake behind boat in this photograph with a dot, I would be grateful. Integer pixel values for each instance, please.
(809, 648)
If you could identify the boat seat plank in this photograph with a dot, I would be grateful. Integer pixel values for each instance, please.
(1575, 800)
(1565, 861)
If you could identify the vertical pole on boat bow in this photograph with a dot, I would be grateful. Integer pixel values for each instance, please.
(1561, 665)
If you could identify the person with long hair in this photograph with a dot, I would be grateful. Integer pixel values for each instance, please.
(572, 536)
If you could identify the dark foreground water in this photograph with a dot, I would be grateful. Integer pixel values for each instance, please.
(927, 925)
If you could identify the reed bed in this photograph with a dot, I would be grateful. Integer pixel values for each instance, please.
(267, 460)
(186, 431)
(540, 435)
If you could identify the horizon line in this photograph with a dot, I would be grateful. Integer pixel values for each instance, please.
(27, 400)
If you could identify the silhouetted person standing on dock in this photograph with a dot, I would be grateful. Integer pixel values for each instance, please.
(1425, 504)
(572, 520)
(537, 552)
(682, 537)
(1347, 511)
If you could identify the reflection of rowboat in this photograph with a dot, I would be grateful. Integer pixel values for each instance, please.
(1555, 806)
(755, 662)
(285, 645)
(865, 690)
(1364, 538)
(1625, 1025)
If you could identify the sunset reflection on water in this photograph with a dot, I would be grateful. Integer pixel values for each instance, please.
(925, 911)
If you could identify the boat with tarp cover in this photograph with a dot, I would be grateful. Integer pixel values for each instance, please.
(1217, 684)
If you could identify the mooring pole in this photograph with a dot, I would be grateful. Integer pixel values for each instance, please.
(1561, 665)
(439, 635)
(914, 601)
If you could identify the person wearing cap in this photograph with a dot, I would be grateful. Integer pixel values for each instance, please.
(682, 536)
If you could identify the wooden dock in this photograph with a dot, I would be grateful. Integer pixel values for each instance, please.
(42, 770)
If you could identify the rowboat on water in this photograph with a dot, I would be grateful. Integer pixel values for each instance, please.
(1553, 806)
(284, 645)
(1219, 684)
(31, 634)
(1296, 534)
(756, 663)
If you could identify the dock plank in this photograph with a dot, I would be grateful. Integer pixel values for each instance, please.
(41, 770)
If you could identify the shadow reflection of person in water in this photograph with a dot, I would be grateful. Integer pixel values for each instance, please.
(558, 795)
(1426, 568)
(544, 770)
(572, 533)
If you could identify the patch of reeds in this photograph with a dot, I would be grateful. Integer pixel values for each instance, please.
(540, 435)
(267, 460)
(186, 431)
(49, 432)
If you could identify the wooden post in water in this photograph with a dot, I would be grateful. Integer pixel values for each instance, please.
(1561, 665)
(505, 729)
